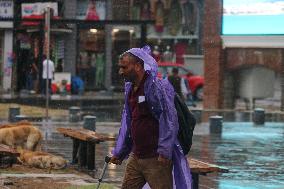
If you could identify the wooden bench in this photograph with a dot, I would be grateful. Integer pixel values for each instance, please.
(84, 143)
(201, 168)
(7, 156)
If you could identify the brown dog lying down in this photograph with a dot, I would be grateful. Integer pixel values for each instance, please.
(41, 160)
(19, 123)
(22, 134)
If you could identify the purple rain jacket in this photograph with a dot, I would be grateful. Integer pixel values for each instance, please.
(159, 95)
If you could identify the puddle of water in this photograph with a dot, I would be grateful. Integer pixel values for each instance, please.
(254, 155)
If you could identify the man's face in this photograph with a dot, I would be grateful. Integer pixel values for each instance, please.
(127, 67)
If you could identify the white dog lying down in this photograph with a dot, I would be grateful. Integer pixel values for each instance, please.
(41, 160)
(22, 134)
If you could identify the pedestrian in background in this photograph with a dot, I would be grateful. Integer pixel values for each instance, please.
(149, 127)
(31, 74)
(187, 94)
(47, 73)
(176, 82)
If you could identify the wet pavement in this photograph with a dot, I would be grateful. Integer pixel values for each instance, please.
(253, 154)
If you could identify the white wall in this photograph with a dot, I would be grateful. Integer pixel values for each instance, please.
(195, 63)
(252, 41)
(257, 82)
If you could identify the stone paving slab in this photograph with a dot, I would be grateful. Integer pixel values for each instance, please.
(42, 175)
(70, 179)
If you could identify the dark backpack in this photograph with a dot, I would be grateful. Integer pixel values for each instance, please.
(186, 121)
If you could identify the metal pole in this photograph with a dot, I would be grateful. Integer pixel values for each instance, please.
(47, 38)
(108, 47)
(107, 160)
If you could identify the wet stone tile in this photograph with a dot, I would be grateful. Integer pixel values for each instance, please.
(253, 154)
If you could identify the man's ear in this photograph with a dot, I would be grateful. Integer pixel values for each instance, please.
(138, 67)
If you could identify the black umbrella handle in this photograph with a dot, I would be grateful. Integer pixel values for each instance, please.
(107, 160)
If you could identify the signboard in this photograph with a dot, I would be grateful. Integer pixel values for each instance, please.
(91, 10)
(6, 9)
(61, 83)
(253, 17)
(37, 9)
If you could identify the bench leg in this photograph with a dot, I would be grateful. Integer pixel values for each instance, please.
(83, 154)
(91, 156)
(195, 178)
(76, 144)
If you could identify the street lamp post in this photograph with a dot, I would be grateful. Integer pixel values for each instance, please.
(47, 38)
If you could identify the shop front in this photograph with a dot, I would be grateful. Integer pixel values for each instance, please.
(176, 33)
(91, 64)
(31, 46)
(95, 41)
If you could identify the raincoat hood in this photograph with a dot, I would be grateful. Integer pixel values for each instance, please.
(144, 54)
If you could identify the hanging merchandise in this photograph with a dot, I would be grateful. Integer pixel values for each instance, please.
(167, 55)
(156, 53)
(101, 9)
(167, 6)
(135, 10)
(36, 47)
(188, 17)
(159, 16)
(180, 50)
(93, 68)
(83, 66)
(55, 53)
(92, 12)
(174, 22)
(100, 64)
(25, 42)
(93, 59)
(145, 10)
(84, 59)
(60, 49)
(53, 48)
(1, 55)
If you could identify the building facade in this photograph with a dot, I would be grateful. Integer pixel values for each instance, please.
(240, 66)
(88, 35)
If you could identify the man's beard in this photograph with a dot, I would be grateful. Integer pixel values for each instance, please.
(131, 77)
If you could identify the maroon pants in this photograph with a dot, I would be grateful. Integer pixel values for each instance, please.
(150, 170)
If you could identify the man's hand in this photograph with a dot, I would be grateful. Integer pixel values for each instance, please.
(115, 160)
(164, 161)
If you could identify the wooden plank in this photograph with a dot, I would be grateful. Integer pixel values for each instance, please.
(71, 133)
(84, 134)
(201, 167)
(7, 150)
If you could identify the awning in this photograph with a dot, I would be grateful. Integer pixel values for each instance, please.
(52, 30)
(33, 17)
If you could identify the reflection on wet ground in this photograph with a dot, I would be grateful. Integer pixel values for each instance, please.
(253, 154)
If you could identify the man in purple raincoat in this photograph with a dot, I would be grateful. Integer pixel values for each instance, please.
(149, 127)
